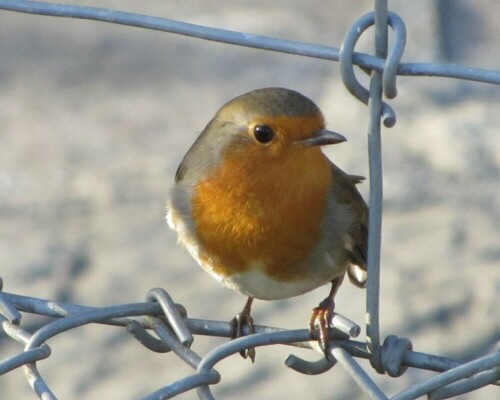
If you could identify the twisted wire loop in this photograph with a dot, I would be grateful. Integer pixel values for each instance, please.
(392, 355)
(173, 331)
(347, 60)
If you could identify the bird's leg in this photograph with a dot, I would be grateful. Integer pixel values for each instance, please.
(237, 325)
(322, 314)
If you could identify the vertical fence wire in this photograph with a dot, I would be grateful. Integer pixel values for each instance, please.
(376, 183)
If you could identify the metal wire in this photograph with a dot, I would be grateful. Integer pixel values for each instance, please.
(365, 61)
(485, 371)
(380, 18)
(168, 320)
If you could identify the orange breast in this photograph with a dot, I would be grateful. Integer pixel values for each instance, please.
(256, 209)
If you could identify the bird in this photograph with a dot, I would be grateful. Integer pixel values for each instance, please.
(262, 209)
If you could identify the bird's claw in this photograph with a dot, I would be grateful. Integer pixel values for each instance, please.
(238, 324)
(322, 316)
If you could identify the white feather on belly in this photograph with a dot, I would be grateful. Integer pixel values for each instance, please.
(254, 282)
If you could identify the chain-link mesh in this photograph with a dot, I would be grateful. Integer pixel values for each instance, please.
(169, 321)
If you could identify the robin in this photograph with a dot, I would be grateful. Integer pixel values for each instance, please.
(262, 209)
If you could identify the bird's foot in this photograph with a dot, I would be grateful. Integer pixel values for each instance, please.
(238, 324)
(321, 316)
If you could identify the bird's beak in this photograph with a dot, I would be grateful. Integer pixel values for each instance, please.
(323, 137)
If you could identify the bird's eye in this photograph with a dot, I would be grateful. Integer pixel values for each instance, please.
(263, 133)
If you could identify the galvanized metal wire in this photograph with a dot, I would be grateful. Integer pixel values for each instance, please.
(151, 315)
(168, 320)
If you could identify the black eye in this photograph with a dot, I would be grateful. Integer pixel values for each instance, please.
(263, 133)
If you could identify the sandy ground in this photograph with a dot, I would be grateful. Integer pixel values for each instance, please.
(95, 118)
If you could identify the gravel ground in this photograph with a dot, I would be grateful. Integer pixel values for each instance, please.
(95, 118)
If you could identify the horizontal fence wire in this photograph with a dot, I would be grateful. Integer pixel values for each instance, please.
(245, 39)
(174, 331)
(153, 315)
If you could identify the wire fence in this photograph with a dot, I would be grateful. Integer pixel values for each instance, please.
(169, 321)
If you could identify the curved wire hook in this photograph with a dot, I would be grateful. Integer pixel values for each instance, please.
(347, 55)
(173, 315)
(309, 367)
(394, 56)
(146, 339)
(345, 329)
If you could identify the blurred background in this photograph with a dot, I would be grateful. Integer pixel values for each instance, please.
(94, 119)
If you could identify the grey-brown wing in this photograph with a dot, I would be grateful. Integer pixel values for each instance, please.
(348, 194)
